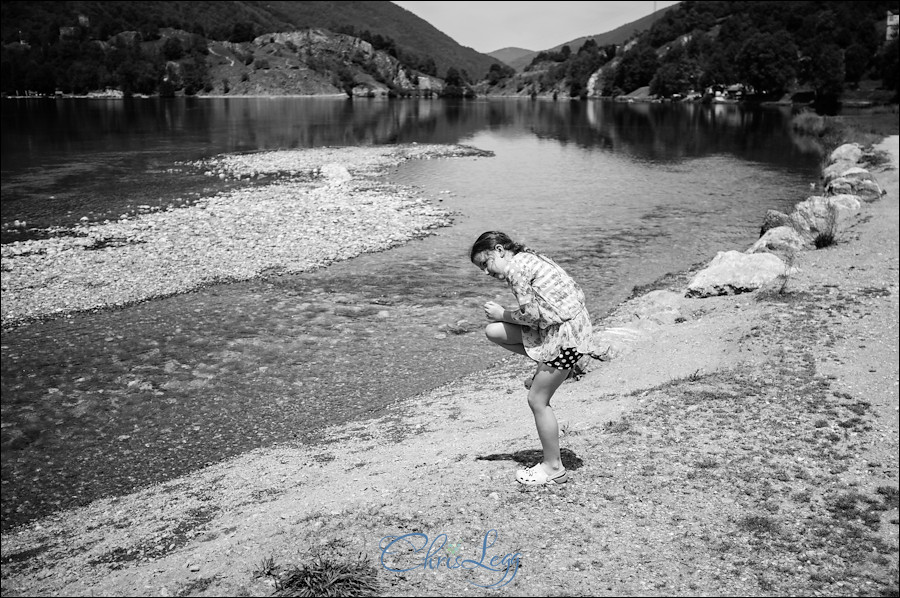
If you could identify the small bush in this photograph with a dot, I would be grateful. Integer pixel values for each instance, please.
(824, 239)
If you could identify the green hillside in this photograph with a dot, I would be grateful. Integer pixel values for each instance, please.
(411, 33)
(617, 37)
(729, 51)
(403, 34)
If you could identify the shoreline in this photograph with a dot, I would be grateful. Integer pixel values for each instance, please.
(735, 445)
(290, 229)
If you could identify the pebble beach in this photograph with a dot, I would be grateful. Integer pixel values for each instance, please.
(300, 210)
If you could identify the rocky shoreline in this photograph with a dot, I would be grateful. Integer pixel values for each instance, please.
(744, 443)
(304, 210)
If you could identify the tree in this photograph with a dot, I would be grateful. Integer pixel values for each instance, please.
(890, 66)
(637, 68)
(429, 67)
(242, 32)
(499, 72)
(856, 62)
(768, 62)
(195, 75)
(41, 79)
(172, 49)
(453, 77)
(678, 74)
(589, 46)
(825, 71)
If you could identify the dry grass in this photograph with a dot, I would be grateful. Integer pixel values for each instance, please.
(865, 127)
(329, 576)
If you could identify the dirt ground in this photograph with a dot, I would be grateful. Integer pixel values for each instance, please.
(739, 445)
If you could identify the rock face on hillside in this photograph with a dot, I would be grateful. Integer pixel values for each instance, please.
(311, 62)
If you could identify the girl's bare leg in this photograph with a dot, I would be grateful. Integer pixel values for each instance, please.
(546, 381)
(508, 336)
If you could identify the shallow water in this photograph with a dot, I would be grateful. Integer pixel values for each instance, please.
(98, 404)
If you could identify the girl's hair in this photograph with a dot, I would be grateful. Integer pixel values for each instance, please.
(491, 239)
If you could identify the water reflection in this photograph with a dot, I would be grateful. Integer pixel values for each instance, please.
(39, 131)
(64, 159)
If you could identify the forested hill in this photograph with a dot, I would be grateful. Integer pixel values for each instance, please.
(757, 49)
(388, 27)
(766, 50)
(615, 37)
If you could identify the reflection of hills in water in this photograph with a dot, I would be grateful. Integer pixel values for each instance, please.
(655, 131)
(66, 158)
(673, 131)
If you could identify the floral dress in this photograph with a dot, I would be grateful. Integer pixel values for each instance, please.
(552, 308)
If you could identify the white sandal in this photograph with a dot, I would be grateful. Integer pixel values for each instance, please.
(536, 476)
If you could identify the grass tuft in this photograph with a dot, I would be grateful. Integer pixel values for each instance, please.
(759, 524)
(266, 567)
(327, 576)
(618, 427)
(824, 239)
(890, 495)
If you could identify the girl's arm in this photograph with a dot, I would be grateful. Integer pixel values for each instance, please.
(523, 316)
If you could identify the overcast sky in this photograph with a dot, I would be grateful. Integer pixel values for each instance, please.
(488, 26)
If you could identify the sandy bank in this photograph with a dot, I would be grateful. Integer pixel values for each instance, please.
(748, 449)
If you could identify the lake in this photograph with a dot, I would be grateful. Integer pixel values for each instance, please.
(100, 404)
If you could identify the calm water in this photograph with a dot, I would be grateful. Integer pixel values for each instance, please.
(99, 404)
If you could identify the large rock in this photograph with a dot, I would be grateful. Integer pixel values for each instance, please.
(836, 170)
(335, 174)
(774, 219)
(734, 272)
(849, 152)
(817, 214)
(782, 241)
(855, 181)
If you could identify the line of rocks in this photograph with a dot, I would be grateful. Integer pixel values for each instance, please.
(815, 222)
(768, 264)
(324, 205)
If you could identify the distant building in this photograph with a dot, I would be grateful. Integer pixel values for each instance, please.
(68, 32)
(893, 26)
(75, 31)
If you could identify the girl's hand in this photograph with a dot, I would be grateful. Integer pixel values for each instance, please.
(493, 311)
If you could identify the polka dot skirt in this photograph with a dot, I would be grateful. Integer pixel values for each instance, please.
(566, 360)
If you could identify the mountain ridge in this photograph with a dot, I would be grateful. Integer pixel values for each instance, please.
(617, 36)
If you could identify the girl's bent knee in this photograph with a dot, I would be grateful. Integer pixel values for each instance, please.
(495, 332)
(538, 400)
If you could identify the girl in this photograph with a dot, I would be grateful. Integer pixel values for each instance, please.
(551, 326)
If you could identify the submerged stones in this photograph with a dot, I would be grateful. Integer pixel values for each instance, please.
(325, 205)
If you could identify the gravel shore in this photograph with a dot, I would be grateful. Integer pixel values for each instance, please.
(742, 445)
(301, 210)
